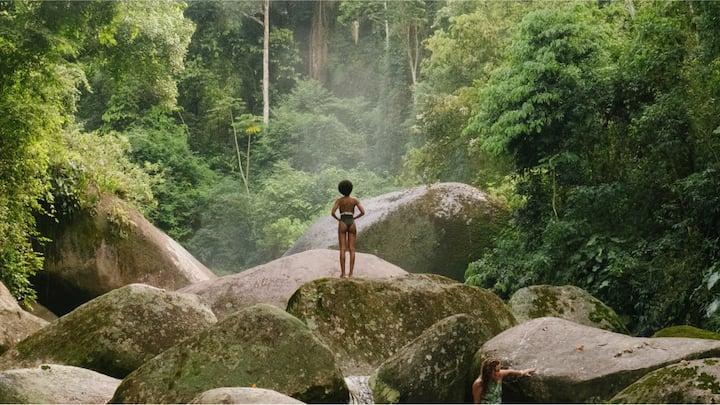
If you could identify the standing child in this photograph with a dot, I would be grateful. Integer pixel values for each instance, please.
(347, 231)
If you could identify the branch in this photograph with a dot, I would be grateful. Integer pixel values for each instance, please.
(252, 17)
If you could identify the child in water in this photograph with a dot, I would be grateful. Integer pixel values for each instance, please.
(487, 388)
(347, 231)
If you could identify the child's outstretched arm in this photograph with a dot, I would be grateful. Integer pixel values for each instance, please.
(522, 373)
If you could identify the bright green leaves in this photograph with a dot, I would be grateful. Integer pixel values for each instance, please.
(545, 91)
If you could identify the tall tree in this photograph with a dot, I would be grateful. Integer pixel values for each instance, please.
(320, 30)
(266, 62)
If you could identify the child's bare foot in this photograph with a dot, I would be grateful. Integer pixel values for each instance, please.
(342, 275)
(350, 275)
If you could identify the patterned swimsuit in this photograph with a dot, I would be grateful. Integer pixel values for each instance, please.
(493, 394)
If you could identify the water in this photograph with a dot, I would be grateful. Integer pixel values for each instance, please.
(360, 392)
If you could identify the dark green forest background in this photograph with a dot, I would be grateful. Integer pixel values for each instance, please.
(596, 122)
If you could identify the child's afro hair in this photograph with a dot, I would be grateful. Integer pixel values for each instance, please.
(345, 187)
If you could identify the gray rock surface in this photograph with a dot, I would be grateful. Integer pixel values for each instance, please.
(107, 248)
(685, 382)
(261, 345)
(15, 323)
(243, 395)
(432, 368)
(40, 311)
(426, 229)
(566, 302)
(365, 321)
(114, 333)
(274, 282)
(55, 384)
(577, 363)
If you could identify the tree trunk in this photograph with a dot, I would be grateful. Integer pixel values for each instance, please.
(412, 40)
(387, 29)
(266, 63)
(319, 39)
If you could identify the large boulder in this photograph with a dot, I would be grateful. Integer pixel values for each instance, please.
(274, 282)
(566, 302)
(243, 395)
(116, 332)
(260, 346)
(432, 368)
(15, 323)
(366, 321)
(686, 382)
(55, 384)
(426, 229)
(581, 364)
(99, 250)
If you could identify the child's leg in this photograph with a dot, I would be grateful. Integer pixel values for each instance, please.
(352, 235)
(342, 241)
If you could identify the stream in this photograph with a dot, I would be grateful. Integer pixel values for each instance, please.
(359, 388)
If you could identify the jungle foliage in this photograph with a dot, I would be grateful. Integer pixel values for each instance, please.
(595, 120)
(607, 117)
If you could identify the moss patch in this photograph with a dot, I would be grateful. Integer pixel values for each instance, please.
(687, 331)
(545, 303)
(695, 381)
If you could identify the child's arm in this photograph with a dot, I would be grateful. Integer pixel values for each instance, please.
(358, 204)
(334, 209)
(477, 391)
(522, 373)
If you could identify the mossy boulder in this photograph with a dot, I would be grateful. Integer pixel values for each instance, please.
(432, 368)
(96, 251)
(114, 333)
(686, 382)
(275, 282)
(687, 331)
(55, 384)
(566, 302)
(580, 364)
(426, 229)
(243, 395)
(366, 321)
(261, 346)
(15, 323)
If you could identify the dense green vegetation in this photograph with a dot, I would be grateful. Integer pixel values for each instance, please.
(597, 122)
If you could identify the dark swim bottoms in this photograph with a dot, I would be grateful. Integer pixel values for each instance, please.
(347, 219)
